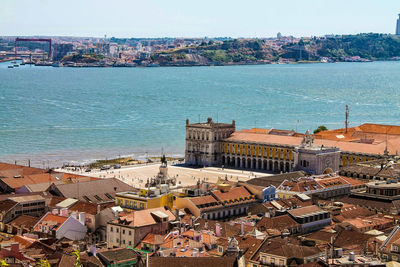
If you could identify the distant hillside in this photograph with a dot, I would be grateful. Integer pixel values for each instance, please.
(246, 51)
(79, 58)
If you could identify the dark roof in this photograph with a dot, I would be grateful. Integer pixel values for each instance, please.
(117, 255)
(346, 239)
(280, 222)
(24, 220)
(92, 191)
(276, 180)
(287, 248)
(193, 262)
(6, 205)
(248, 245)
(378, 204)
(377, 168)
(227, 230)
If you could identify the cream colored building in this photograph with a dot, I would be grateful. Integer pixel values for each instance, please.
(203, 142)
(219, 144)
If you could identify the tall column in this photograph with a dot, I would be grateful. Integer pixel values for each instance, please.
(256, 167)
(262, 164)
(236, 162)
(273, 165)
(246, 163)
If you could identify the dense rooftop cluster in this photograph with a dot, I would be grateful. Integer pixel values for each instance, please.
(345, 218)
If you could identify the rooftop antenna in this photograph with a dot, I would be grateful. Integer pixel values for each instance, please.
(347, 118)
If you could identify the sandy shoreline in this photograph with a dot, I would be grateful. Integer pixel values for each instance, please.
(58, 158)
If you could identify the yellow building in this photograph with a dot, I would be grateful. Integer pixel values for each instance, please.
(157, 193)
(146, 199)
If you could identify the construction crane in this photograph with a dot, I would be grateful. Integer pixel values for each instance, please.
(31, 40)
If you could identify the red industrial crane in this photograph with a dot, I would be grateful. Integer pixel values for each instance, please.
(31, 40)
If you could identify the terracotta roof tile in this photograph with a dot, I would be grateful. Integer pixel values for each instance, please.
(59, 220)
(90, 208)
(376, 148)
(24, 221)
(279, 222)
(234, 193)
(141, 218)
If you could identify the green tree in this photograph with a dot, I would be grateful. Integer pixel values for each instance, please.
(320, 128)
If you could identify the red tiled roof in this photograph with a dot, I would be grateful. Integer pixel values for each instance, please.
(353, 182)
(154, 239)
(279, 222)
(12, 170)
(301, 185)
(90, 208)
(234, 193)
(376, 148)
(141, 218)
(203, 200)
(328, 182)
(51, 218)
(25, 221)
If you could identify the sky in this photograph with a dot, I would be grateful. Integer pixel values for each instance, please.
(186, 18)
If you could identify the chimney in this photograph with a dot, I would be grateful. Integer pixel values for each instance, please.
(233, 123)
(242, 228)
(98, 208)
(217, 229)
(187, 121)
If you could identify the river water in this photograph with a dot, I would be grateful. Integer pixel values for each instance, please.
(55, 115)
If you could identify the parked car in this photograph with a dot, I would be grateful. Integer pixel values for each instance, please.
(105, 167)
(117, 166)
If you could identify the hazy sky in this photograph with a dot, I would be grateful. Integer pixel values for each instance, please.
(186, 18)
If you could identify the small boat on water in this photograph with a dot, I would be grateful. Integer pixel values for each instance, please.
(10, 66)
(16, 65)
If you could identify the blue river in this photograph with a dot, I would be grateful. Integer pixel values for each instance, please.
(55, 115)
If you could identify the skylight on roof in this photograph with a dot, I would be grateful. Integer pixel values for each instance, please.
(108, 195)
(87, 199)
(98, 198)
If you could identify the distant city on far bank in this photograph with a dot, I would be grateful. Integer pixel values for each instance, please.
(60, 51)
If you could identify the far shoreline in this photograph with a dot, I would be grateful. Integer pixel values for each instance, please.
(88, 65)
